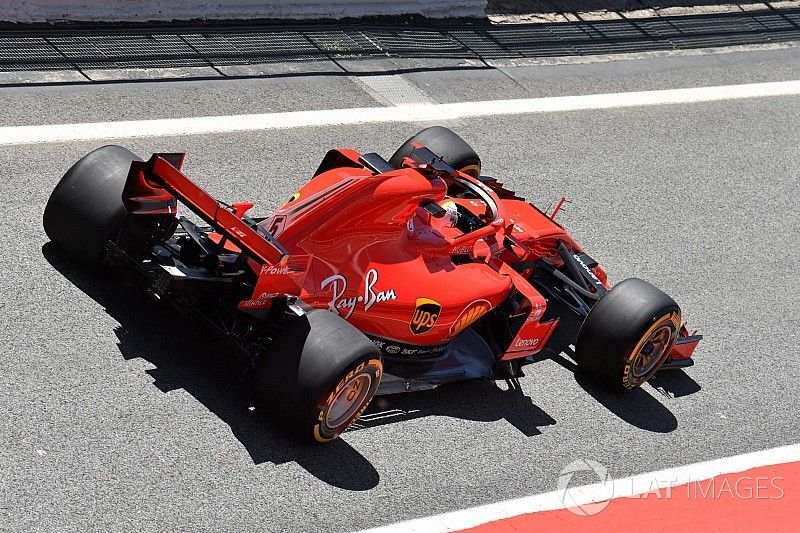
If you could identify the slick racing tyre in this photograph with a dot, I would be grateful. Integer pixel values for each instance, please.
(627, 335)
(318, 376)
(446, 144)
(85, 209)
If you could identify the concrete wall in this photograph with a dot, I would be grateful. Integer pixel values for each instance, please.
(165, 10)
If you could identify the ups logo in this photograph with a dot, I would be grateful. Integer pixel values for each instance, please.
(425, 316)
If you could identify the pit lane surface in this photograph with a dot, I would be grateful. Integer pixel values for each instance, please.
(116, 414)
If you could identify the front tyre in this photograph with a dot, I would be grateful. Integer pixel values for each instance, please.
(318, 376)
(627, 335)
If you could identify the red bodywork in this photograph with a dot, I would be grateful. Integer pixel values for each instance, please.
(358, 242)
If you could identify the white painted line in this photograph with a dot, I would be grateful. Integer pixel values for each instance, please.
(403, 113)
(630, 486)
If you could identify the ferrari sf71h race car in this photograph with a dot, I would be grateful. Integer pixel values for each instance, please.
(376, 277)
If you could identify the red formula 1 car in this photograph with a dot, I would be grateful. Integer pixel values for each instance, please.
(376, 277)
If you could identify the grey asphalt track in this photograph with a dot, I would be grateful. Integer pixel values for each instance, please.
(117, 415)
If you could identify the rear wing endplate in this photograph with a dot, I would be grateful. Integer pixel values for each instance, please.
(161, 169)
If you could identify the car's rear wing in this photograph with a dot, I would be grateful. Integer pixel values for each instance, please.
(148, 181)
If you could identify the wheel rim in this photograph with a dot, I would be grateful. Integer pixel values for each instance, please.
(348, 400)
(652, 351)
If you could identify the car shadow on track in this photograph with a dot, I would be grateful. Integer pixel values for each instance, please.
(637, 407)
(476, 400)
(185, 358)
(674, 383)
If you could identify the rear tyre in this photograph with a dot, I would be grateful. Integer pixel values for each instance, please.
(627, 335)
(85, 209)
(446, 144)
(318, 376)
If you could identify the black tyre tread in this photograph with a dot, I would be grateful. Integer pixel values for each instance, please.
(445, 143)
(85, 208)
(615, 325)
(304, 363)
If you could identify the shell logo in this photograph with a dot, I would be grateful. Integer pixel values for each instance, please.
(470, 314)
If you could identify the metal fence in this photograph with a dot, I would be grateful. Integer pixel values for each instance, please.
(59, 48)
